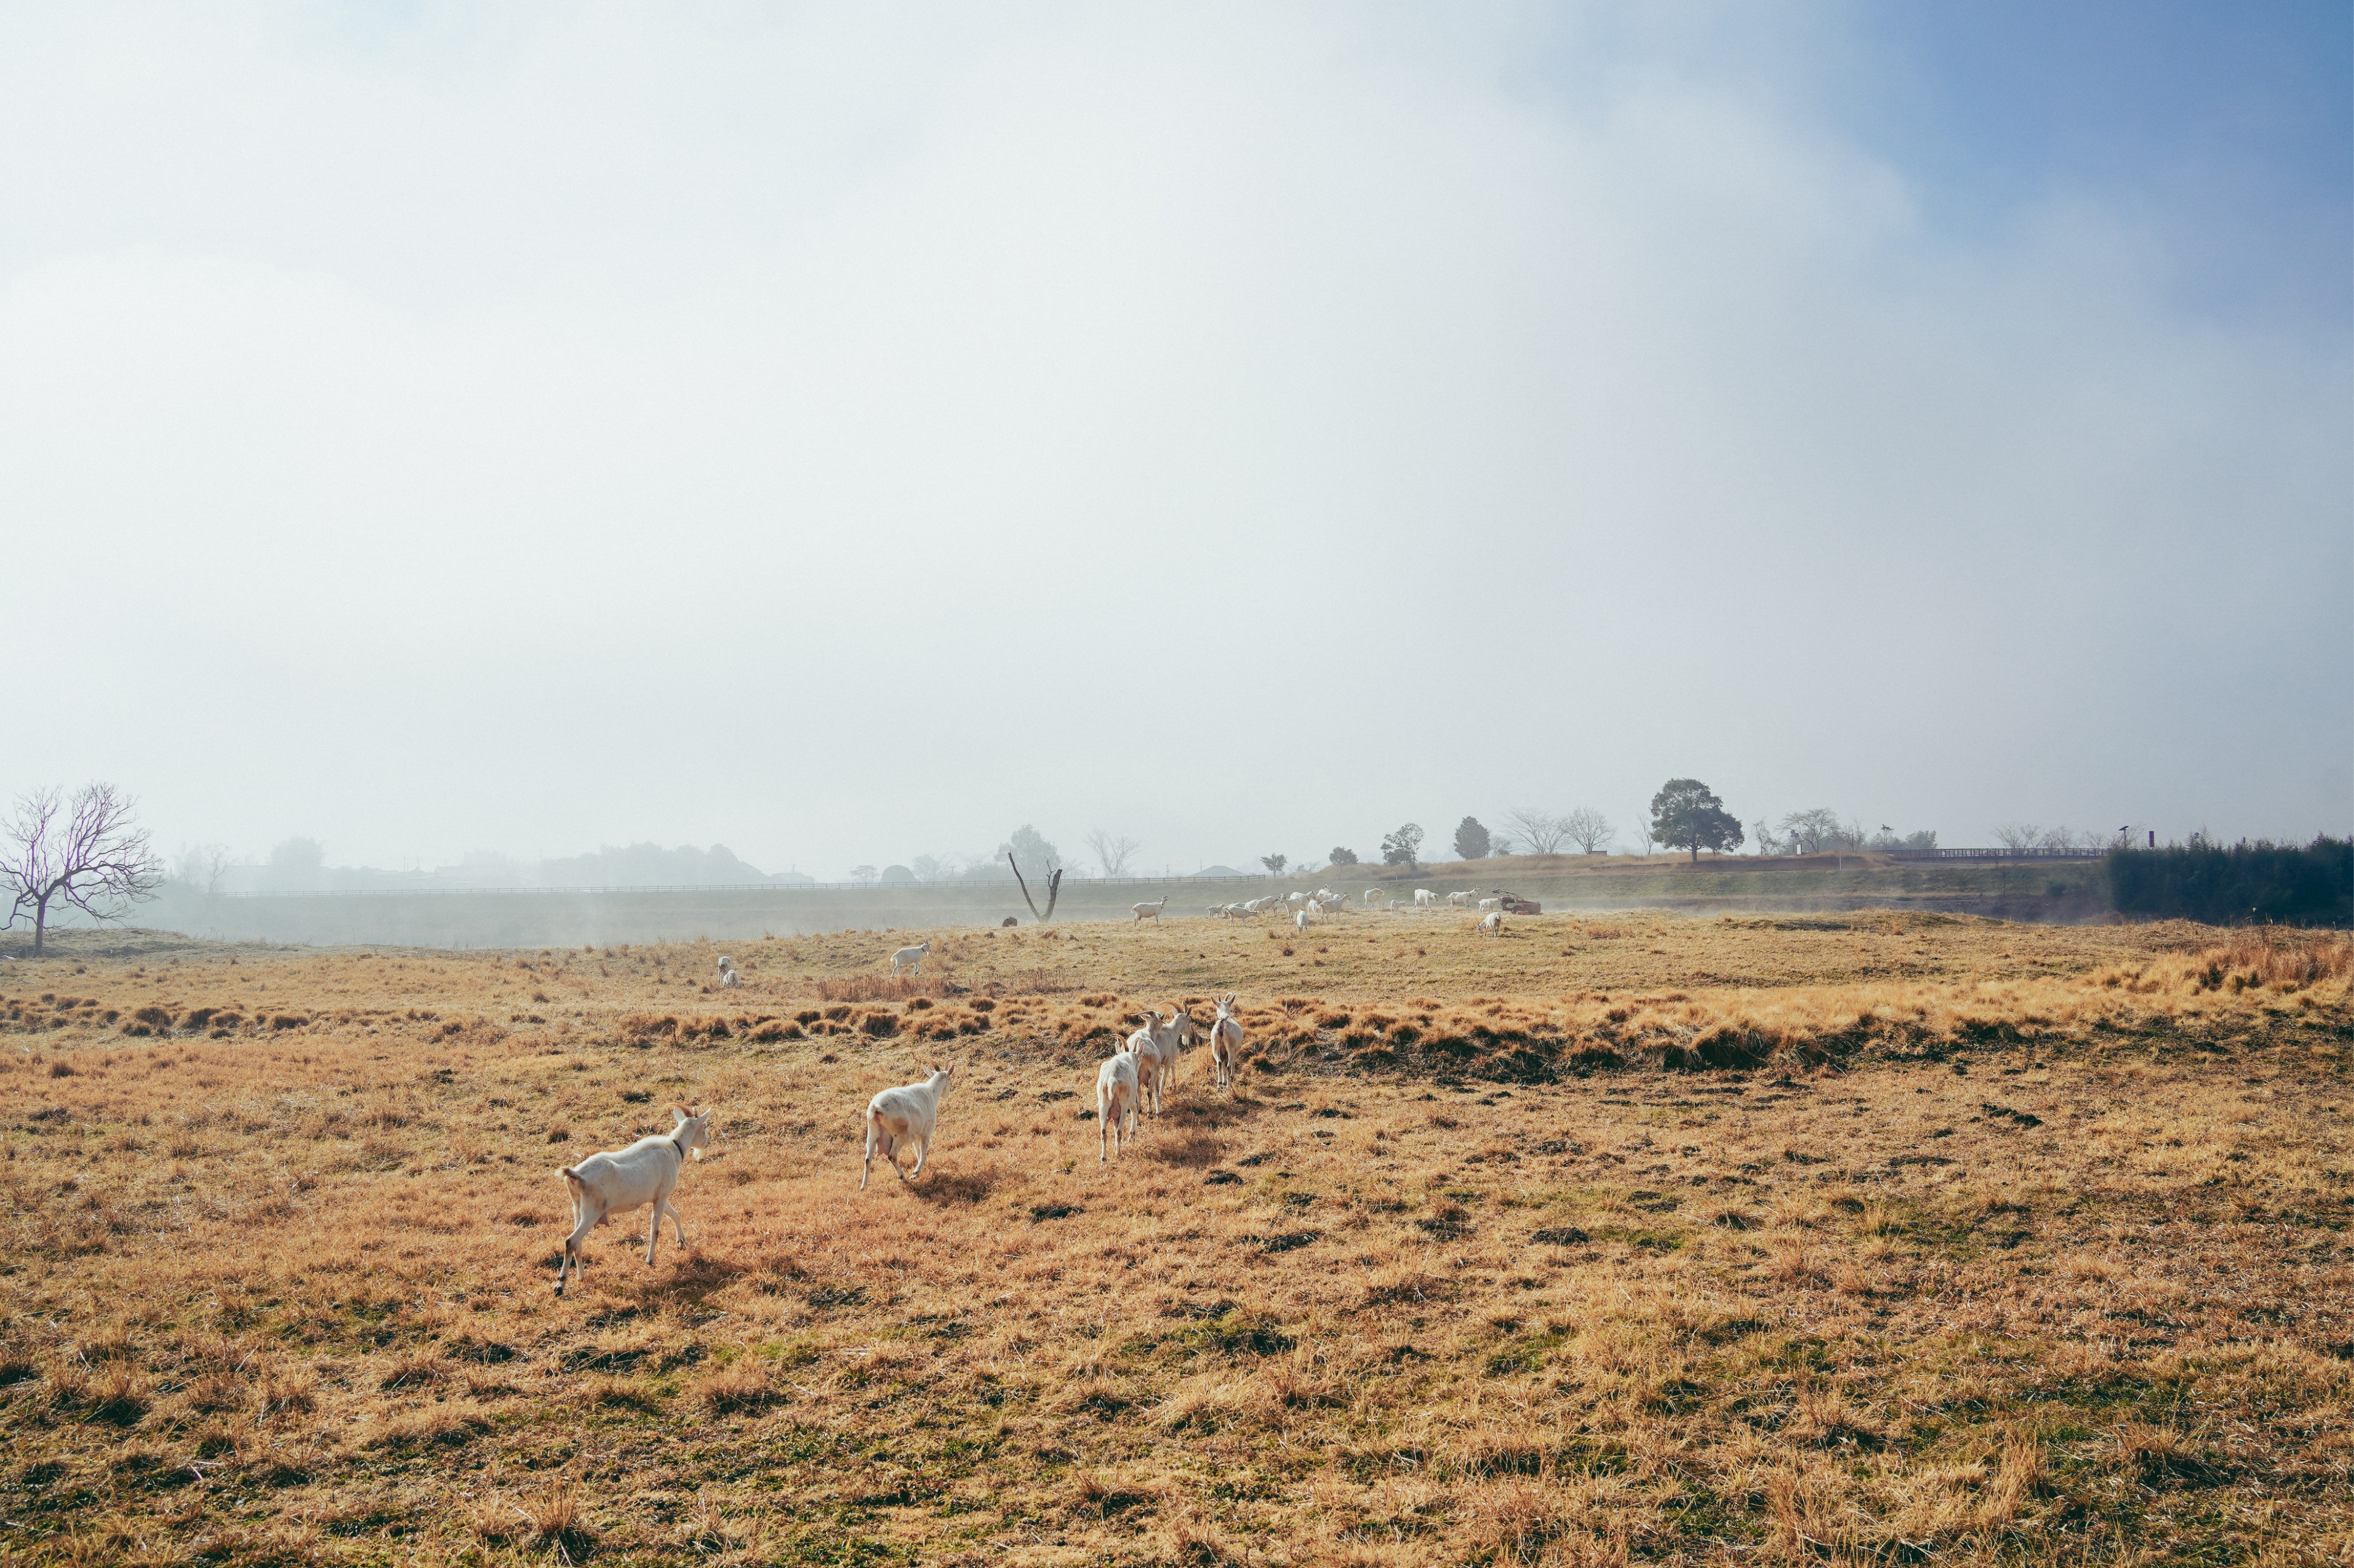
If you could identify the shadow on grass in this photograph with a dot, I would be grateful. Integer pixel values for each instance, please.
(939, 1187)
(688, 1280)
(1202, 1106)
(1185, 1146)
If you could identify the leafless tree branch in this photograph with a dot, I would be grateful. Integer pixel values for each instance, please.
(1111, 853)
(1589, 829)
(83, 854)
(1536, 832)
(1053, 890)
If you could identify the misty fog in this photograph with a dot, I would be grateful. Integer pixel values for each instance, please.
(467, 438)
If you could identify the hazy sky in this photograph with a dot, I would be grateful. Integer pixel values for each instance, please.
(846, 432)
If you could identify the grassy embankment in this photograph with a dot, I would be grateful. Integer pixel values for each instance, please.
(2010, 1243)
(2063, 892)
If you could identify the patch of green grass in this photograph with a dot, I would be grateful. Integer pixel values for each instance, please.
(1644, 1239)
(1526, 1354)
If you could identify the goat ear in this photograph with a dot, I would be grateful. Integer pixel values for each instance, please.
(681, 1112)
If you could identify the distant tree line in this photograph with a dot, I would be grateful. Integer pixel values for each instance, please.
(1819, 831)
(2241, 883)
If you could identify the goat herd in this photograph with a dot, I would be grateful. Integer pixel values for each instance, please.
(647, 1172)
(1308, 909)
(1128, 1085)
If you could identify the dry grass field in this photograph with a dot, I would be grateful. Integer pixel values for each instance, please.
(1872, 1238)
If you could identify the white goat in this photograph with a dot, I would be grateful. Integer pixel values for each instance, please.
(1492, 923)
(1150, 911)
(1174, 1038)
(903, 1116)
(1423, 897)
(1374, 896)
(1297, 900)
(1302, 920)
(1117, 1092)
(1491, 904)
(1145, 1046)
(1459, 900)
(646, 1172)
(727, 975)
(1168, 1034)
(1226, 1043)
(910, 957)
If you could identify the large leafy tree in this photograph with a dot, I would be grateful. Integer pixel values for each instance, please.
(1471, 840)
(1686, 814)
(1398, 848)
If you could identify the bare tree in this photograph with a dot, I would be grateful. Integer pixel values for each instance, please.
(2017, 836)
(1812, 832)
(1054, 889)
(1642, 834)
(1112, 854)
(83, 854)
(1536, 832)
(1589, 829)
(203, 868)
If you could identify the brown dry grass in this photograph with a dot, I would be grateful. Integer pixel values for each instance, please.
(1983, 1242)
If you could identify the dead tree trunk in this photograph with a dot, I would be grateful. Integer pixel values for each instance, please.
(1053, 890)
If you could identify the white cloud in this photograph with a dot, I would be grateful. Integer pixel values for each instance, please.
(836, 437)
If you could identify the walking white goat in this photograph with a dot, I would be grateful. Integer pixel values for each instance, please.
(908, 1114)
(1423, 897)
(1145, 1046)
(1117, 1092)
(1226, 1043)
(1174, 1038)
(910, 957)
(646, 1172)
(1150, 911)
